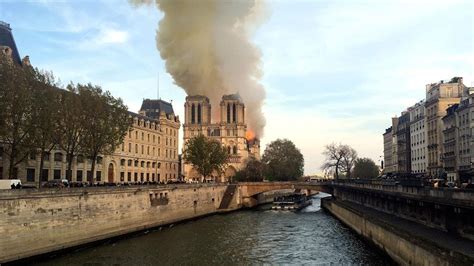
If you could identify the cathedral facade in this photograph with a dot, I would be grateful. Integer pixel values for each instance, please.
(230, 130)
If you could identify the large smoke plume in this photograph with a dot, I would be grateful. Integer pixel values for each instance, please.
(208, 50)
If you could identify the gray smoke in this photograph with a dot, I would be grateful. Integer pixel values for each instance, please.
(208, 50)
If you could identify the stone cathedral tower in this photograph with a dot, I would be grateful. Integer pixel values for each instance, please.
(230, 130)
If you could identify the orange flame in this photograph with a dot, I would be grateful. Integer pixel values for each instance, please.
(250, 135)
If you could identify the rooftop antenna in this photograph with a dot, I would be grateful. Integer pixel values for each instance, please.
(158, 87)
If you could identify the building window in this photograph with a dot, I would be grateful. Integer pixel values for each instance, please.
(99, 160)
(122, 176)
(123, 147)
(193, 114)
(153, 165)
(98, 175)
(80, 159)
(199, 113)
(32, 155)
(1, 152)
(57, 173)
(30, 175)
(129, 163)
(153, 177)
(147, 164)
(1, 172)
(142, 150)
(129, 177)
(136, 163)
(141, 177)
(148, 150)
(122, 162)
(89, 175)
(142, 164)
(44, 175)
(129, 147)
(147, 177)
(228, 113)
(136, 148)
(135, 176)
(79, 175)
(143, 136)
(58, 157)
(234, 115)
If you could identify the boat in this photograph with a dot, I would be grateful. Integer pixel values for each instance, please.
(291, 202)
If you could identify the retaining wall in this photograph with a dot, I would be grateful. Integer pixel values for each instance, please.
(37, 222)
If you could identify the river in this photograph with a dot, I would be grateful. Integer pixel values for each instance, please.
(260, 236)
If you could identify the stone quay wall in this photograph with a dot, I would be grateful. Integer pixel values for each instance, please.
(36, 222)
(404, 248)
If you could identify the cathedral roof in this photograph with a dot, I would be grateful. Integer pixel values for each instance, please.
(6, 39)
(232, 97)
(197, 98)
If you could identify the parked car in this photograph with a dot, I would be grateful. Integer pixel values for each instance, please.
(53, 183)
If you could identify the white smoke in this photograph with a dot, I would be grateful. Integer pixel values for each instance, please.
(208, 50)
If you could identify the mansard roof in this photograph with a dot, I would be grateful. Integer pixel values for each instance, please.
(154, 107)
(6, 39)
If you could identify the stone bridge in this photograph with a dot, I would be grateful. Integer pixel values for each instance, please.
(249, 191)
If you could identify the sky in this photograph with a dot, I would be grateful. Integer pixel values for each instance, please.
(334, 71)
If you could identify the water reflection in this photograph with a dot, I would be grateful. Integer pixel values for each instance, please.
(310, 236)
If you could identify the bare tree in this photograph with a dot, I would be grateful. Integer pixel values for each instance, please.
(348, 160)
(339, 159)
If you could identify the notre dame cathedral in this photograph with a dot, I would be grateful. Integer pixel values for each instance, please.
(230, 129)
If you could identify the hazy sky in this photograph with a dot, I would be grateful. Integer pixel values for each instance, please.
(334, 71)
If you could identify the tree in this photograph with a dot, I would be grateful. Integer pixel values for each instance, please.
(16, 101)
(252, 172)
(339, 158)
(72, 121)
(365, 168)
(206, 155)
(107, 123)
(46, 114)
(284, 162)
(350, 155)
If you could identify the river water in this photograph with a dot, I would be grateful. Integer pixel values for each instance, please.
(261, 236)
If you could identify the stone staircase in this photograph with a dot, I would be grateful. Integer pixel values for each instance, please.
(228, 196)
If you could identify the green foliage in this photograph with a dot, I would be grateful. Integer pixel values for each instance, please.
(206, 155)
(252, 172)
(16, 110)
(107, 122)
(284, 162)
(37, 116)
(365, 168)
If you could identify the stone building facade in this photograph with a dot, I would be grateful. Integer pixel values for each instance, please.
(148, 154)
(439, 96)
(230, 129)
(450, 143)
(403, 143)
(418, 143)
(387, 151)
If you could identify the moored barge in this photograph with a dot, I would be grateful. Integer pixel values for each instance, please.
(292, 202)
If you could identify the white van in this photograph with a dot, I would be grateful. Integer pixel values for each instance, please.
(7, 183)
